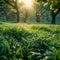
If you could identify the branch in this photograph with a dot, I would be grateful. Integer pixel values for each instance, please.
(6, 1)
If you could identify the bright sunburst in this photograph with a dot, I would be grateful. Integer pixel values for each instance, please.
(27, 3)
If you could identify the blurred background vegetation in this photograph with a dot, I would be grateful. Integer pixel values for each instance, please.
(42, 11)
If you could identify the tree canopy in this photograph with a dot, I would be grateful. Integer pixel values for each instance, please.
(54, 6)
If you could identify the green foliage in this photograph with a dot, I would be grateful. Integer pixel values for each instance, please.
(30, 42)
(53, 4)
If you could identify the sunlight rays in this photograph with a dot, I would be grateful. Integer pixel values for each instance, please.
(27, 3)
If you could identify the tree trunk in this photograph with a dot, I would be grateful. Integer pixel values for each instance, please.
(37, 16)
(17, 10)
(18, 15)
(54, 14)
(26, 14)
(53, 17)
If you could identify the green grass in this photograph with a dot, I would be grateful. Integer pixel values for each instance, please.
(23, 41)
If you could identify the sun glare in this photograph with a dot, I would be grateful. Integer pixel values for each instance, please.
(19, 1)
(27, 3)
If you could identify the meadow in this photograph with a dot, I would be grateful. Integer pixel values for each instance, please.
(24, 41)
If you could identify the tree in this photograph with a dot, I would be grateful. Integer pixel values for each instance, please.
(15, 5)
(37, 15)
(26, 11)
(26, 14)
(54, 7)
(37, 11)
